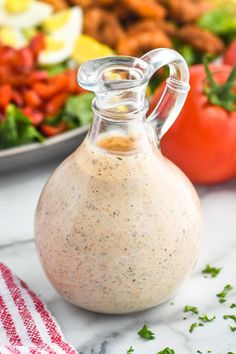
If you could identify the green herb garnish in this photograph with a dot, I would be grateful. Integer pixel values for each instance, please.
(189, 308)
(199, 351)
(146, 333)
(232, 306)
(166, 351)
(232, 317)
(130, 350)
(224, 293)
(192, 327)
(233, 329)
(212, 271)
(205, 318)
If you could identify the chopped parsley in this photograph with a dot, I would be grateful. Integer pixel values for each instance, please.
(205, 318)
(130, 350)
(166, 351)
(146, 333)
(233, 329)
(222, 295)
(199, 351)
(232, 306)
(232, 317)
(192, 327)
(192, 309)
(212, 271)
(195, 325)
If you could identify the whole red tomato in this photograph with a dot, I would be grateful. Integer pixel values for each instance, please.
(230, 54)
(202, 141)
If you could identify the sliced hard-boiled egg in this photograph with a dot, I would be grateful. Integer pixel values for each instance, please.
(88, 48)
(62, 28)
(12, 37)
(23, 13)
(15, 6)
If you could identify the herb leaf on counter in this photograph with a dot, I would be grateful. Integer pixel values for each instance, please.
(167, 351)
(222, 295)
(205, 318)
(232, 317)
(193, 309)
(146, 333)
(233, 329)
(232, 306)
(212, 271)
(130, 350)
(192, 327)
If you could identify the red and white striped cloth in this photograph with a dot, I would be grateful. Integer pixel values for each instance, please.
(26, 326)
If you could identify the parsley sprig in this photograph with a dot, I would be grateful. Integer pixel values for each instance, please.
(222, 295)
(146, 333)
(130, 350)
(167, 351)
(205, 318)
(232, 317)
(193, 309)
(195, 325)
(212, 271)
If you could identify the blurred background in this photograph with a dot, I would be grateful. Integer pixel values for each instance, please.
(44, 114)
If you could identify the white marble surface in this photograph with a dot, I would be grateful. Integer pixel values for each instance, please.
(98, 334)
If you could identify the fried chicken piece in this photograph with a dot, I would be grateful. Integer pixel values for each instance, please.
(201, 39)
(103, 25)
(184, 10)
(83, 3)
(145, 9)
(87, 3)
(151, 26)
(57, 4)
(136, 44)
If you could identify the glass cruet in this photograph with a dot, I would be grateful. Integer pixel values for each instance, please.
(118, 227)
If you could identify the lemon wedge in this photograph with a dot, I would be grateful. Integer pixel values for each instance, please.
(16, 6)
(56, 21)
(87, 48)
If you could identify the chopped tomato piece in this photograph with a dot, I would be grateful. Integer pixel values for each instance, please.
(38, 75)
(55, 103)
(37, 44)
(23, 60)
(73, 84)
(17, 98)
(34, 116)
(5, 96)
(32, 99)
(50, 130)
(54, 85)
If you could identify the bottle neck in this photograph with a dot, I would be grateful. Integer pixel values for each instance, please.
(127, 133)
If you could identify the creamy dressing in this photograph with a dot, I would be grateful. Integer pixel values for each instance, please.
(117, 233)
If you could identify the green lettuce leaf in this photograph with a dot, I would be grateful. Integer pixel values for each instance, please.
(16, 129)
(78, 109)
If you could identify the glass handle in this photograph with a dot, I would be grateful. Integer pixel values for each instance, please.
(176, 89)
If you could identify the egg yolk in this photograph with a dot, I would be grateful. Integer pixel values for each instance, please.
(56, 21)
(7, 36)
(53, 44)
(17, 6)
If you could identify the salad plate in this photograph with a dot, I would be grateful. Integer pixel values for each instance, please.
(57, 147)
